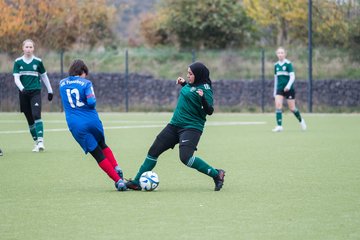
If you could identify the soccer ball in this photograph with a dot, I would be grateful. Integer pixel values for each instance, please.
(149, 181)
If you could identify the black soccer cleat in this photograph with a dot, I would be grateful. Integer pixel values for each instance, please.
(219, 179)
(131, 184)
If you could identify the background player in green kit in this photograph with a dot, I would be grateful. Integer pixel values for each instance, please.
(186, 126)
(27, 71)
(284, 77)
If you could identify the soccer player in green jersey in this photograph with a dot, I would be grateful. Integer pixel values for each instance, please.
(284, 77)
(27, 71)
(186, 126)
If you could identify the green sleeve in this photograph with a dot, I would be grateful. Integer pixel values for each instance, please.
(41, 69)
(208, 93)
(16, 68)
(290, 68)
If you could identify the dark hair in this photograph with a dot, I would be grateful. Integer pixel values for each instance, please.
(78, 67)
(201, 72)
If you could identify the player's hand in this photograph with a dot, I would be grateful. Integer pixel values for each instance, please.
(50, 96)
(200, 92)
(286, 89)
(180, 80)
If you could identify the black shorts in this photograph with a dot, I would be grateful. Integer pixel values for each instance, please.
(30, 102)
(172, 135)
(288, 95)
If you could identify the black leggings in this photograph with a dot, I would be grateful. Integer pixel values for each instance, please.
(30, 105)
(172, 135)
(97, 153)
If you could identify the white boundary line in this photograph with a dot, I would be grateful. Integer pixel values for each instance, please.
(214, 124)
(233, 123)
(64, 121)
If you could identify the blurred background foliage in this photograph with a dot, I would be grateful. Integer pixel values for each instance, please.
(162, 33)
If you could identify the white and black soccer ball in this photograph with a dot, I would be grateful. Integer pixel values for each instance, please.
(149, 181)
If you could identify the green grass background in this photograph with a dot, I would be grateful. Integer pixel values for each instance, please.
(289, 185)
(168, 63)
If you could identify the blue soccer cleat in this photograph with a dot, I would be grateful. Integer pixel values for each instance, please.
(119, 172)
(120, 185)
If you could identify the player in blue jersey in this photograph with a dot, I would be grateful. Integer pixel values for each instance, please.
(78, 99)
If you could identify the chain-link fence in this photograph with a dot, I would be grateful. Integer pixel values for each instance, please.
(250, 69)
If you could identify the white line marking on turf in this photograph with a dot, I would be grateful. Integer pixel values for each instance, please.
(63, 121)
(142, 126)
(233, 123)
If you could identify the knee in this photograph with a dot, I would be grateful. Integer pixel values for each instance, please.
(98, 154)
(293, 109)
(185, 154)
(102, 144)
(29, 118)
(156, 149)
(36, 116)
(36, 113)
(159, 146)
(152, 151)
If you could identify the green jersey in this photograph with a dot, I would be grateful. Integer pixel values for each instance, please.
(29, 72)
(189, 112)
(282, 73)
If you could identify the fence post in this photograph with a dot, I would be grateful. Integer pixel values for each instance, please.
(62, 63)
(310, 57)
(62, 51)
(126, 80)
(262, 80)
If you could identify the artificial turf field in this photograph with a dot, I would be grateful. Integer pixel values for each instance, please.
(289, 185)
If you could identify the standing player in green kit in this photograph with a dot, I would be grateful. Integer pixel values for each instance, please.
(186, 126)
(27, 71)
(284, 77)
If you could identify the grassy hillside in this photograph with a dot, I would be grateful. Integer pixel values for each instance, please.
(168, 63)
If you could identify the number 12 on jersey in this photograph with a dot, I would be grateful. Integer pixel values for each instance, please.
(74, 92)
